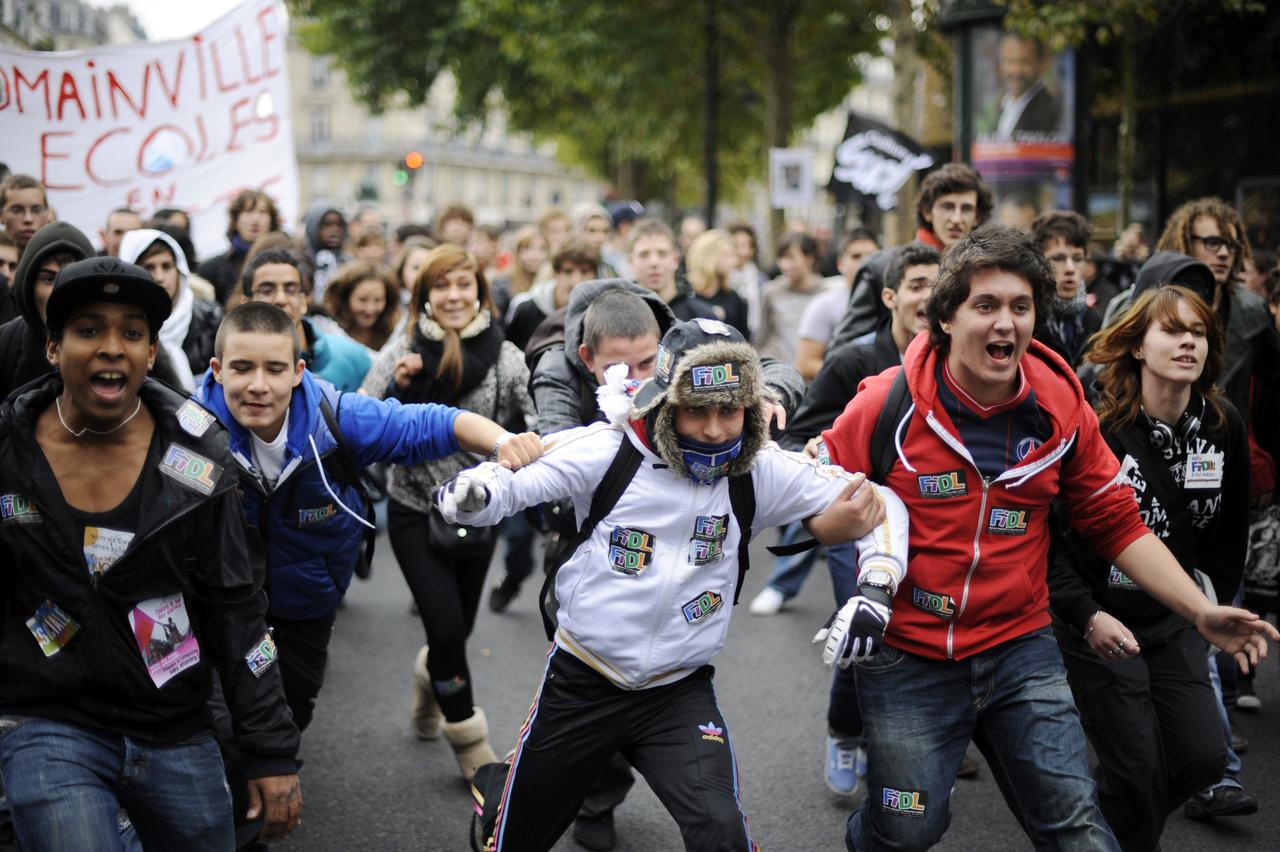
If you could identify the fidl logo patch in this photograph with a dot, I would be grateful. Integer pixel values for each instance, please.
(943, 485)
(307, 517)
(630, 551)
(717, 377)
(903, 802)
(708, 603)
(18, 509)
(1007, 521)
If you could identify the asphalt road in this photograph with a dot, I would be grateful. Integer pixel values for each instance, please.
(370, 785)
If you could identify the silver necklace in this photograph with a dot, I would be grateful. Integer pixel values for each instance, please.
(57, 402)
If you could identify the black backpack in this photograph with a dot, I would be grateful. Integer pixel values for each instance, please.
(742, 499)
(344, 467)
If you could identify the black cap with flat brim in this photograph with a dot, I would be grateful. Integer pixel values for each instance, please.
(105, 279)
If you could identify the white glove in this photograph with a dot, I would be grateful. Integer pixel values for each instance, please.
(467, 492)
(855, 632)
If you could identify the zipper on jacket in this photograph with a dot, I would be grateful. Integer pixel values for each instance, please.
(660, 611)
(977, 552)
(165, 524)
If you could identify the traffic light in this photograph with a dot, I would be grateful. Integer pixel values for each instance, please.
(407, 168)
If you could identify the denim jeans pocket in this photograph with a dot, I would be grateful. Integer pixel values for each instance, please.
(9, 724)
(881, 661)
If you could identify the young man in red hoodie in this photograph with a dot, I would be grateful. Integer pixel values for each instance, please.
(997, 426)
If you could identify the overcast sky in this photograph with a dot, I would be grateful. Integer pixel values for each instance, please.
(166, 19)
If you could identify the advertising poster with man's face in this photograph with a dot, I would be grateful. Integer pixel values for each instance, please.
(1023, 99)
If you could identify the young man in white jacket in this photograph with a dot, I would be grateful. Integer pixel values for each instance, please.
(643, 599)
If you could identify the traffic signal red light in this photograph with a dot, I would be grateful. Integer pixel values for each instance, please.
(414, 160)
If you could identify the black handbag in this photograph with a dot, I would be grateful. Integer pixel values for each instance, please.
(458, 539)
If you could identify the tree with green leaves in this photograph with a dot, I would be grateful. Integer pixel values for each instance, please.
(655, 96)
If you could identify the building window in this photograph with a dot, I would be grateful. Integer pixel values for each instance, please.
(319, 72)
(55, 16)
(373, 131)
(319, 125)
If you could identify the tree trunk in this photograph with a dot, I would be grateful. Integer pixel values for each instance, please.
(710, 113)
(906, 63)
(1128, 141)
(777, 94)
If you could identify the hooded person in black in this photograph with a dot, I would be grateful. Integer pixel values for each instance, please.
(22, 350)
(325, 236)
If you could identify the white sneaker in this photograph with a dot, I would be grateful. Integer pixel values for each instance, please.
(768, 602)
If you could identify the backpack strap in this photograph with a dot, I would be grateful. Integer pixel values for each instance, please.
(345, 469)
(742, 499)
(616, 479)
(883, 451)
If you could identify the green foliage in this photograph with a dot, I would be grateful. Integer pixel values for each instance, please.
(612, 83)
(1068, 23)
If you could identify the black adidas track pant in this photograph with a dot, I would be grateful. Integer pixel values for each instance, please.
(673, 734)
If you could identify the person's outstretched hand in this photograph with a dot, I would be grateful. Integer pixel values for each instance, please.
(1238, 632)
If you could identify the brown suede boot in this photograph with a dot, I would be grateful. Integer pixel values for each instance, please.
(470, 741)
(424, 716)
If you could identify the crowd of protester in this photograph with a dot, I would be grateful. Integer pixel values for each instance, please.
(253, 417)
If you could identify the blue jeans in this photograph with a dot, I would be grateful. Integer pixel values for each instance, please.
(518, 535)
(1013, 701)
(66, 785)
(1231, 777)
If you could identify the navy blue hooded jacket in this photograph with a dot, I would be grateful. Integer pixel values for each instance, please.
(310, 523)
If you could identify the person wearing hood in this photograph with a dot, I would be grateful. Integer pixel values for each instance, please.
(646, 599)
(298, 497)
(326, 231)
(993, 426)
(22, 356)
(187, 335)
(575, 262)
(1063, 237)
(251, 214)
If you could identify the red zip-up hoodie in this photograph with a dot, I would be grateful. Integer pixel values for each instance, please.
(979, 547)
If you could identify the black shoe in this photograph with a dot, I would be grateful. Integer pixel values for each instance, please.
(596, 833)
(501, 596)
(1220, 802)
(968, 766)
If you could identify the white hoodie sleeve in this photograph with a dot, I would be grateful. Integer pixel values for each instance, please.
(791, 487)
(572, 465)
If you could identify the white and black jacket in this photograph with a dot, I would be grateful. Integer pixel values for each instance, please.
(646, 599)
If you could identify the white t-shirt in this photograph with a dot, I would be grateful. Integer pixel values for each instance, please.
(270, 457)
(825, 312)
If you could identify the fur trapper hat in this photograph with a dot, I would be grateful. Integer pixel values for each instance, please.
(703, 362)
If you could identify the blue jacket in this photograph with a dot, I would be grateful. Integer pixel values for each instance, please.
(312, 542)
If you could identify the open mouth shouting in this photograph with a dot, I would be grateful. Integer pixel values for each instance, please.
(108, 386)
(1001, 353)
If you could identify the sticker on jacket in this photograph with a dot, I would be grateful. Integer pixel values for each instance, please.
(18, 509)
(163, 632)
(711, 732)
(309, 517)
(943, 606)
(942, 486)
(102, 547)
(263, 656)
(1003, 521)
(1117, 579)
(52, 627)
(703, 606)
(707, 544)
(716, 377)
(908, 803)
(1203, 470)
(630, 551)
(191, 469)
(194, 419)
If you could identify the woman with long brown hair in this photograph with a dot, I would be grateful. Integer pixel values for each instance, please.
(452, 351)
(1139, 672)
(365, 302)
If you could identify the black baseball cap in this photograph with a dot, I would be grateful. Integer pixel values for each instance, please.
(106, 279)
(680, 339)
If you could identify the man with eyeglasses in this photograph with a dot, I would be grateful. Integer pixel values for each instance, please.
(276, 276)
(24, 208)
(1063, 236)
(953, 201)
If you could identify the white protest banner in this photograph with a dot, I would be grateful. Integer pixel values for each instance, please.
(186, 123)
